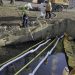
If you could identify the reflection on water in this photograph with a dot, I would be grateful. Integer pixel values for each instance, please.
(55, 66)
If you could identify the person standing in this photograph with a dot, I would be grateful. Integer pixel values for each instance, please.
(48, 9)
(42, 8)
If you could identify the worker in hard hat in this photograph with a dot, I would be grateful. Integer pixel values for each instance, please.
(48, 9)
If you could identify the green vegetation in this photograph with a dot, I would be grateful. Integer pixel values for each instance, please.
(23, 9)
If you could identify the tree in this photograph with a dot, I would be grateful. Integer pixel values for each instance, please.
(12, 1)
(1, 2)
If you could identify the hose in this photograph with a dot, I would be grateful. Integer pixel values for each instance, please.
(23, 55)
(48, 53)
(34, 58)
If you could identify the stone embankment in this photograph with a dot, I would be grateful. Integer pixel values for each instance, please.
(11, 32)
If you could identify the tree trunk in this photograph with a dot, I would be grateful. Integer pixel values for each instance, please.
(1, 2)
(12, 1)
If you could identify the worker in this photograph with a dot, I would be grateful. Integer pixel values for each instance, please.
(48, 9)
(42, 8)
(25, 20)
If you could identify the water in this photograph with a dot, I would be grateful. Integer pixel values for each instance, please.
(54, 66)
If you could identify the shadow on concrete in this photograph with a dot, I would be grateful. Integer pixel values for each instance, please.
(10, 18)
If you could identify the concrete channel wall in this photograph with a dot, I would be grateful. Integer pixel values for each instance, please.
(57, 28)
(54, 28)
(71, 27)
